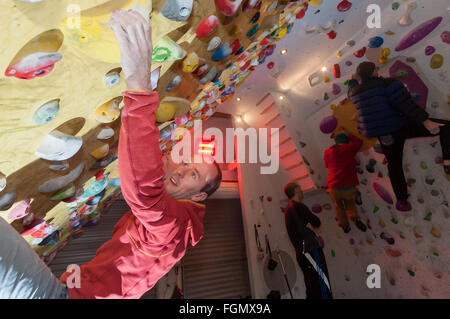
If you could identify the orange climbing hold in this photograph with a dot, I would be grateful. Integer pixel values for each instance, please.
(393, 252)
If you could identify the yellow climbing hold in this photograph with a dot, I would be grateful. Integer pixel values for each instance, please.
(339, 54)
(190, 63)
(100, 152)
(326, 79)
(333, 107)
(381, 223)
(389, 32)
(165, 112)
(436, 61)
(435, 232)
(315, 3)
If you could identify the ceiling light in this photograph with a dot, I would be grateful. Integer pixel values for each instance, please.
(239, 119)
(238, 99)
(324, 69)
(281, 97)
(283, 52)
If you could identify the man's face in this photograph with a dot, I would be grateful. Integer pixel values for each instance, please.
(187, 180)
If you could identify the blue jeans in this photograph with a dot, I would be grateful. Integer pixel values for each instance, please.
(23, 275)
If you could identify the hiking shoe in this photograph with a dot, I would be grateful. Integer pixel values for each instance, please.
(403, 206)
(347, 229)
(360, 225)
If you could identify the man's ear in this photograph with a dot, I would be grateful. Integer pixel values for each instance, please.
(199, 197)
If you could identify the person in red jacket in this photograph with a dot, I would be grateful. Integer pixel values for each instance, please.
(166, 211)
(342, 178)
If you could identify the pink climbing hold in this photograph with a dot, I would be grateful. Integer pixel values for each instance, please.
(328, 124)
(21, 210)
(336, 89)
(429, 50)
(383, 193)
(445, 36)
(418, 34)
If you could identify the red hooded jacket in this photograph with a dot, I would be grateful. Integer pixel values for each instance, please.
(341, 163)
(151, 238)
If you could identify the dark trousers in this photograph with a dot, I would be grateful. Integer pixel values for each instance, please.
(315, 286)
(394, 152)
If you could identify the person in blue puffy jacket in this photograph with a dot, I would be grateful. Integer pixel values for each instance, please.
(387, 111)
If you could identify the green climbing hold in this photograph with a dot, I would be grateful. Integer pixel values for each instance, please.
(346, 82)
(252, 31)
(395, 6)
(423, 165)
(302, 144)
(429, 181)
(428, 217)
(435, 253)
(275, 33)
(401, 74)
(393, 220)
(375, 209)
(411, 273)
(332, 253)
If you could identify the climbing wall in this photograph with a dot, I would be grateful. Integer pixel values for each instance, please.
(60, 88)
(412, 248)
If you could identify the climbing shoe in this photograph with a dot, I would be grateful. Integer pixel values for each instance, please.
(346, 229)
(360, 225)
(403, 206)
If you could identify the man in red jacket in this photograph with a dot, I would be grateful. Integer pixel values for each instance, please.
(342, 178)
(166, 213)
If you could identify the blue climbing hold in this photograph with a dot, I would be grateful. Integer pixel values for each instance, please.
(376, 42)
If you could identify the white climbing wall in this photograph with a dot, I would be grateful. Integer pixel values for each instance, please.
(417, 265)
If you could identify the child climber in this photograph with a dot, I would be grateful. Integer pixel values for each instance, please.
(342, 178)
(386, 110)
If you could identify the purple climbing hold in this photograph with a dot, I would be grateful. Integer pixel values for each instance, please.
(348, 63)
(383, 193)
(429, 50)
(321, 242)
(316, 208)
(336, 89)
(328, 124)
(418, 33)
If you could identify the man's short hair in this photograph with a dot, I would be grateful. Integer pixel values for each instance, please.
(289, 189)
(212, 185)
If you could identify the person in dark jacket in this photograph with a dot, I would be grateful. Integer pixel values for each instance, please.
(309, 253)
(387, 110)
(342, 178)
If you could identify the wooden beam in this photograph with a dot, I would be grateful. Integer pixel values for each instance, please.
(288, 153)
(272, 119)
(301, 177)
(294, 166)
(285, 140)
(266, 108)
(222, 115)
(263, 98)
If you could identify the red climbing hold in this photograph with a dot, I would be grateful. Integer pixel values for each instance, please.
(393, 252)
(360, 53)
(337, 71)
(270, 65)
(344, 6)
(331, 35)
(269, 198)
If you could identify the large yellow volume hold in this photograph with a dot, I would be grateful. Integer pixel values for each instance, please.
(165, 112)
